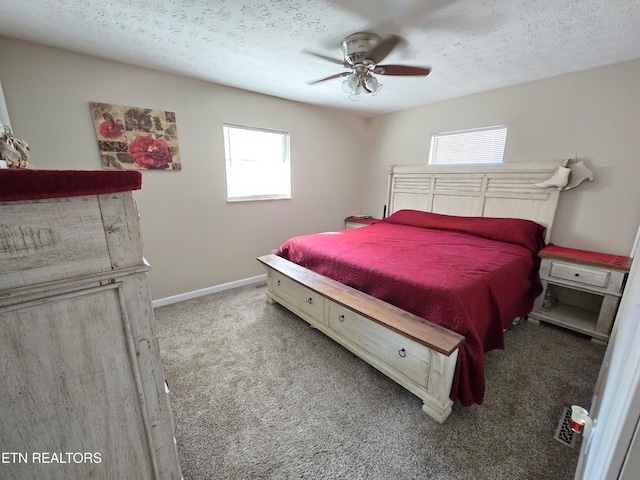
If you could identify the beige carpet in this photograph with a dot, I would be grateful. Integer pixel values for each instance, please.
(258, 394)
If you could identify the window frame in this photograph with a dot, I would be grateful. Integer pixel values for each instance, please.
(501, 130)
(286, 160)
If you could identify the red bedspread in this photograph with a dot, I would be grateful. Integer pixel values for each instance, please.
(471, 275)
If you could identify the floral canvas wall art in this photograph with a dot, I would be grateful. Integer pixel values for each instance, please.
(136, 138)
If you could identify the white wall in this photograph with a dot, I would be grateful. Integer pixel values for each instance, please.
(193, 238)
(594, 115)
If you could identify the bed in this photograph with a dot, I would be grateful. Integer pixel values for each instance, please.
(424, 293)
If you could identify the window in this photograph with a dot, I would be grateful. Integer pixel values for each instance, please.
(478, 145)
(258, 166)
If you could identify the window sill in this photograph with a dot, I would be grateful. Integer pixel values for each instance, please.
(255, 198)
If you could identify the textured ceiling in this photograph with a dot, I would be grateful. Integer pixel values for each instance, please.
(257, 45)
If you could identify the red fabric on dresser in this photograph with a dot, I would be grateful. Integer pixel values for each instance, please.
(470, 275)
(25, 184)
(552, 250)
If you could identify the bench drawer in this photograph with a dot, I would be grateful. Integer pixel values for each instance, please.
(397, 351)
(303, 301)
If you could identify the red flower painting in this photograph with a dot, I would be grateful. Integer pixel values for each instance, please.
(150, 153)
(111, 129)
(136, 138)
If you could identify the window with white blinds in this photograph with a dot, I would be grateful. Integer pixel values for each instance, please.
(478, 145)
(257, 163)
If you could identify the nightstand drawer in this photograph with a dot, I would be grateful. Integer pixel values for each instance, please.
(579, 274)
(349, 224)
(358, 221)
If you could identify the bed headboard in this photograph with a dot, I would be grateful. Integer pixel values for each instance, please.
(504, 190)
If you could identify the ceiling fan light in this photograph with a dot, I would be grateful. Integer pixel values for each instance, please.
(351, 83)
(372, 84)
(354, 97)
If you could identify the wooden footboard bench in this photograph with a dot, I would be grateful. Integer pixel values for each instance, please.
(419, 355)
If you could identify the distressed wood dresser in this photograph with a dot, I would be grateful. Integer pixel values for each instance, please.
(83, 391)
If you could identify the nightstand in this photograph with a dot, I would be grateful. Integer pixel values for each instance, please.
(582, 290)
(358, 221)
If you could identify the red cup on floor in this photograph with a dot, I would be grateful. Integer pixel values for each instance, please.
(578, 418)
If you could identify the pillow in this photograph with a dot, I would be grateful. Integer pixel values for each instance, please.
(518, 231)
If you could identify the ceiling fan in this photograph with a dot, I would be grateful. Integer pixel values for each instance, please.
(363, 52)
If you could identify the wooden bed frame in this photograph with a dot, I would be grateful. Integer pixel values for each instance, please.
(417, 354)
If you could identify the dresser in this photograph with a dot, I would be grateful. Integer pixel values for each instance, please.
(83, 391)
(582, 290)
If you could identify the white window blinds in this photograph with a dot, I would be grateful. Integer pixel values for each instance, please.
(478, 145)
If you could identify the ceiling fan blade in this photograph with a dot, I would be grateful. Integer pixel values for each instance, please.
(337, 75)
(401, 70)
(380, 51)
(329, 59)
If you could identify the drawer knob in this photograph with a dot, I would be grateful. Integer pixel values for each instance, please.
(310, 300)
(278, 282)
(341, 318)
(576, 274)
(402, 352)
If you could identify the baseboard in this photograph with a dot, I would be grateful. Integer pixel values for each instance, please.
(206, 291)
